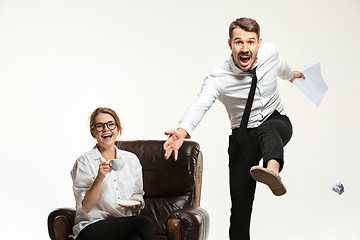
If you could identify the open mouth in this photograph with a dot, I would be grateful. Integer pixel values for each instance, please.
(107, 136)
(244, 59)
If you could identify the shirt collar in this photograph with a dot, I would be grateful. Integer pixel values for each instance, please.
(97, 155)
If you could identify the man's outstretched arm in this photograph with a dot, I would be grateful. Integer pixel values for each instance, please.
(174, 142)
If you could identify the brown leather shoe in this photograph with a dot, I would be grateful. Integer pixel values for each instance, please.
(270, 178)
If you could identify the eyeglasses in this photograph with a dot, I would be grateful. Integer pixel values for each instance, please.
(111, 125)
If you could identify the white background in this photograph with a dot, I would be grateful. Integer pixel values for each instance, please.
(59, 60)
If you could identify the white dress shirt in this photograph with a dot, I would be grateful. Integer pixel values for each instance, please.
(124, 184)
(231, 86)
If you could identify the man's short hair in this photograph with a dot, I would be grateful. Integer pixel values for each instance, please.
(246, 24)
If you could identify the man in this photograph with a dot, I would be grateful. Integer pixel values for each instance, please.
(260, 128)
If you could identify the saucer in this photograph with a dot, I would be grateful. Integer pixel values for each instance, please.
(127, 203)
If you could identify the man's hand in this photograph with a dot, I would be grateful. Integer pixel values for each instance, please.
(174, 142)
(297, 74)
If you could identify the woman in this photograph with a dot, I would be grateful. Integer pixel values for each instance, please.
(97, 187)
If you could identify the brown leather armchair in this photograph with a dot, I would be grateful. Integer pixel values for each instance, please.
(172, 193)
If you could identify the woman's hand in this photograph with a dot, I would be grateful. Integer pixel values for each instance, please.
(92, 196)
(104, 168)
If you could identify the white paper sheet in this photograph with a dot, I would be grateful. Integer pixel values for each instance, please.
(313, 86)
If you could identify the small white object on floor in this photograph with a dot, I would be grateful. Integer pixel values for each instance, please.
(338, 187)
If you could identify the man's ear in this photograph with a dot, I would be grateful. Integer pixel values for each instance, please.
(230, 45)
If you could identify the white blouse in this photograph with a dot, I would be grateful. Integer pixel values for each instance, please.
(124, 184)
(231, 86)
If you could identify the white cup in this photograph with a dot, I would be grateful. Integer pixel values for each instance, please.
(117, 164)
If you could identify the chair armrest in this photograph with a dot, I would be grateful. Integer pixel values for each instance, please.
(193, 224)
(60, 223)
(174, 229)
(62, 227)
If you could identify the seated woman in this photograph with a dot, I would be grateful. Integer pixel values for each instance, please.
(97, 187)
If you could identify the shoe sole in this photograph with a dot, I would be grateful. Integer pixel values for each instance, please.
(265, 176)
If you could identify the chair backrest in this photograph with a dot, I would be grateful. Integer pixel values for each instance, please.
(169, 185)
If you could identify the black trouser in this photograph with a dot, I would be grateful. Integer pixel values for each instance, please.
(122, 228)
(267, 142)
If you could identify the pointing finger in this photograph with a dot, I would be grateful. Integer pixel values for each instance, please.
(170, 132)
(176, 155)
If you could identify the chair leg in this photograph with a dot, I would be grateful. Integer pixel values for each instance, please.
(61, 228)
(174, 229)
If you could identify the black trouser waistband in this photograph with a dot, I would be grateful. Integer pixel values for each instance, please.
(235, 130)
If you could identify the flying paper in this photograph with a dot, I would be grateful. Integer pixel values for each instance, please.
(313, 86)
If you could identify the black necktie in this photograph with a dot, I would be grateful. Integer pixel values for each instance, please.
(245, 118)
